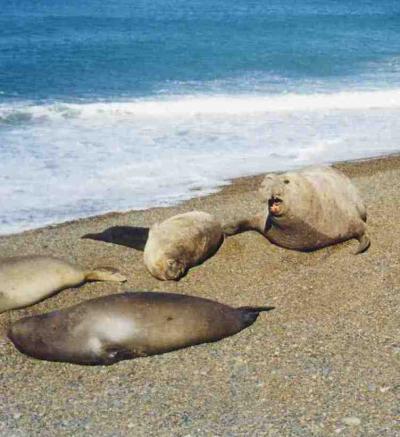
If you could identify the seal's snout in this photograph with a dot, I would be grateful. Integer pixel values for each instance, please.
(275, 205)
(16, 332)
(249, 314)
(92, 236)
(174, 270)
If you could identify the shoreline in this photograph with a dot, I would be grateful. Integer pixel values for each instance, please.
(350, 167)
(324, 362)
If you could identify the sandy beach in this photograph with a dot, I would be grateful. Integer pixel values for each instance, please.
(325, 362)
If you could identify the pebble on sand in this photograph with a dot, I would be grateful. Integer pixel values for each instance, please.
(351, 420)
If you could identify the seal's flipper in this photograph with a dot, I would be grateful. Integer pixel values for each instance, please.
(249, 314)
(116, 353)
(130, 236)
(365, 242)
(105, 274)
(232, 228)
(253, 223)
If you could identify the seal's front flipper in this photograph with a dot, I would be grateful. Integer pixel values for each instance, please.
(114, 354)
(130, 236)
(365, 242)
(232, 228)
(253, 223)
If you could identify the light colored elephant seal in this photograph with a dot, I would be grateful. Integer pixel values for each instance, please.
(26, 280)
(181, 242)
(129, 325)
(308, 209)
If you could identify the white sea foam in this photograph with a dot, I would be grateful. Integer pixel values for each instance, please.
(203, 105)
(62, 161)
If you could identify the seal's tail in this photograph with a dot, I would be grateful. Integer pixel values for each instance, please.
(249, 314)
(104, 274)
(256, 309)
(365, 242)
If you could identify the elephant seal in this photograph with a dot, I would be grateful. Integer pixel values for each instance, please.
(128, 325)
(26, 280)
(181, 242)
(307, 210)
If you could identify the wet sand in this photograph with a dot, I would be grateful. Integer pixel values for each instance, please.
(325, 362)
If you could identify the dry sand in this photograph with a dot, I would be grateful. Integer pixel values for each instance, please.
(325, 362)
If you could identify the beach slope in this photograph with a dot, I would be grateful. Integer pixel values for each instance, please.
(324, 362)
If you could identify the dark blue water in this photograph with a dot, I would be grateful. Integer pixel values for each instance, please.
(105, 50)
(110, 105)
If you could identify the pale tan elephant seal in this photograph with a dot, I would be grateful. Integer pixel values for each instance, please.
(181, 242)
(25, 280)
(308, 209)
(129, 325)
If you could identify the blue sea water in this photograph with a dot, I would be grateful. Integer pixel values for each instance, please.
(131, 104)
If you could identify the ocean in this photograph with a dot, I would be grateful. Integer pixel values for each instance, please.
(117, 105)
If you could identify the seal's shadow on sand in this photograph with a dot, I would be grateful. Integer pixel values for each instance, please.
(130, 236)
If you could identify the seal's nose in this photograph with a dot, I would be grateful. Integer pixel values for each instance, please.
(16, 331)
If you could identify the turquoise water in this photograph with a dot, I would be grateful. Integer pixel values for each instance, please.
(117, 105)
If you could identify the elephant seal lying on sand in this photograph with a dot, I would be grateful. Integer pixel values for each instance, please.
(129, 325)
(308, 209)
(25, 280)
(181, 242)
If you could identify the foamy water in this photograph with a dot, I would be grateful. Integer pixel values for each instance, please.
(63, 161)
(114, 105)
(202, 105)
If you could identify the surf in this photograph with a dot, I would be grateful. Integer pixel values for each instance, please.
(198, 105)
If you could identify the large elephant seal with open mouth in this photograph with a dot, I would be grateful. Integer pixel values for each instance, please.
(308, 209)
(129, 325)
(25, 280)
(181, 242)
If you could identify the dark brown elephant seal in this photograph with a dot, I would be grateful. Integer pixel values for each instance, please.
(308, 209)
(129, 325)
(25, 280)
(181, 242)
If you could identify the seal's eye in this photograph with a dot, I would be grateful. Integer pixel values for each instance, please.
(286, 181)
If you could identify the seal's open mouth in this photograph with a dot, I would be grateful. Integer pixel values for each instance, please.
(275, 205)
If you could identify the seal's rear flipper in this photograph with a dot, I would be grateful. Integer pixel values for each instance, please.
(130, 236)
(249, 314)
(365, 242)
(105, 274)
